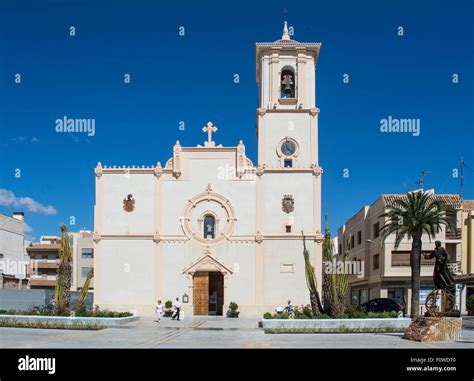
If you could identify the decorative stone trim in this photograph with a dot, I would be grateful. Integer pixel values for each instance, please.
(208, 196)
(169, 164)
(318, 237)
(314, 111)
(207, 263)
(158, 170)
(317, 170)
(282, 156)
(261, 111)
(286, 170)
(157, 237)
(177, 160)
(288, 101)
(96, 237)
(99, 170)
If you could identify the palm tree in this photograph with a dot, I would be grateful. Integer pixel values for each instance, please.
(62, 293)
(411, 216)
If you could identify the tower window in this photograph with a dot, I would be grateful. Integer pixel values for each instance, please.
(288, 163)
(287, 88)
(288, 228)
(209, 227)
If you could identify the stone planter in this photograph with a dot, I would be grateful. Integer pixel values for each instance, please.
(335, 325)
(109, 322)
(434, 329)
(233, 314)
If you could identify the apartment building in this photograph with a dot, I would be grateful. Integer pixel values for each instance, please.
(13, 259)
(44, 260)
(385, 271)
(83, 258)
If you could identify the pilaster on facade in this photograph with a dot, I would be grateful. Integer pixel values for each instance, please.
(98, 170)
(158, 170)
(177, 160)
(96, 237)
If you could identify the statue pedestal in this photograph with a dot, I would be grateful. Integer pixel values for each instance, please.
(434, 329)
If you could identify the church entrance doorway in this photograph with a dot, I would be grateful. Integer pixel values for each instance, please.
(208, 293)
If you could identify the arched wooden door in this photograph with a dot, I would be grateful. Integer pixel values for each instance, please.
(201, 293)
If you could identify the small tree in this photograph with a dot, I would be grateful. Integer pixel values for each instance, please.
(85, 290)
(327, 281)
(62, 293)
(334, 282)
(316, 307)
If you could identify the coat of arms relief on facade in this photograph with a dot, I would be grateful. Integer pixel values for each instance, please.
(129, 203)
(288, 203)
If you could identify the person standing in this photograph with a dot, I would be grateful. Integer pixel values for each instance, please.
(159, 310)
(177, 308)
(290, 310)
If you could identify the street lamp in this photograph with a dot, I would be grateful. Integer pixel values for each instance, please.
(185, 298)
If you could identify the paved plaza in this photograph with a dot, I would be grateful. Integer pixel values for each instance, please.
(210, 332)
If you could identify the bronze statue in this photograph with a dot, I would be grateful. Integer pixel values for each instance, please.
(442, 277)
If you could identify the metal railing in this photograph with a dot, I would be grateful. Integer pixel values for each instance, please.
(453, 234)
(455, 268)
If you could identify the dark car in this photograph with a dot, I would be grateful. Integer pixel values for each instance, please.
(383, 305)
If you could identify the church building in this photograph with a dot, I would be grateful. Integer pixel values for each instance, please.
(194, 229)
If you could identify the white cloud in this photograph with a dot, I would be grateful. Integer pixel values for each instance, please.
(8, 198)
(28, 228)
(25, 139)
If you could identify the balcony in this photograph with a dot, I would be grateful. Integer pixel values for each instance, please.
(402, 258)
(453, 234)
(43, 280)
(45, 263)
(455, 268)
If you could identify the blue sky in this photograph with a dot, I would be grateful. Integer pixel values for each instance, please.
(191, 78)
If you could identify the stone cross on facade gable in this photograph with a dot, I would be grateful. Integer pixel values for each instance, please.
(210, 129)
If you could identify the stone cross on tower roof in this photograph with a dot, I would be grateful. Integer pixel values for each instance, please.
(210, 129)
(286, 35)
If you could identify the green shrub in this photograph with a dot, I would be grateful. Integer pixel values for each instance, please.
(14, 323)
(470, 303)
(283, 315)
(168, 304)
(233, 306)
(355, 312)
(323, 316)
(303, 317)
(96, 312)
(267, 315)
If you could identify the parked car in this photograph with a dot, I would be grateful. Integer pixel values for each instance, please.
(384, 305)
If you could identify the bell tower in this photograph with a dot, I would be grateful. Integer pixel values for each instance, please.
(287, 116)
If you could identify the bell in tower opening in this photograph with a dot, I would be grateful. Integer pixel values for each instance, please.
(287, 84)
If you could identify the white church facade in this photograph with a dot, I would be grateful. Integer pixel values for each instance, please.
(210, 226)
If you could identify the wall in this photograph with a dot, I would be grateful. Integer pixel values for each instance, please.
(25, 299)
(12, 246)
